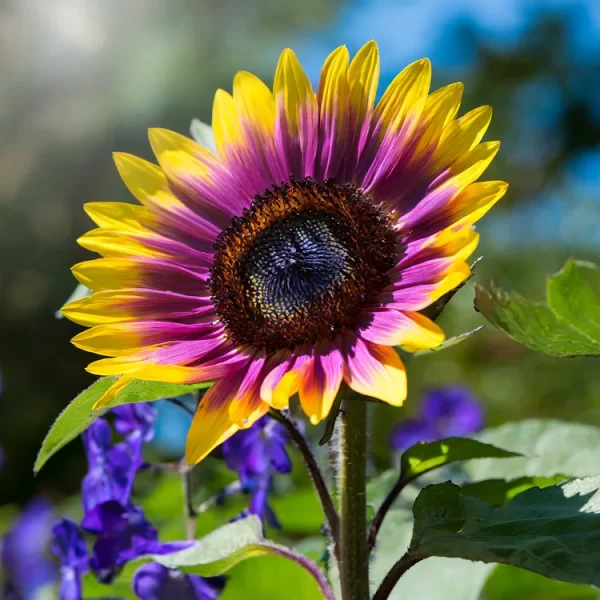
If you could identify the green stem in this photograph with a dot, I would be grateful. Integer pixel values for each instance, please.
(354, 553)
(185, 472)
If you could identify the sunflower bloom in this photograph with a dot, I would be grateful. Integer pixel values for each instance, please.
(295, 254)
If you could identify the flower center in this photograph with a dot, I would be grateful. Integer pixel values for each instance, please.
(300, 264)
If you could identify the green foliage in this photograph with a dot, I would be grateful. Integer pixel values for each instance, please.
(553, 531)
(510, 583)
(423, 457)
(568, 325)
(500, 491)
(549, 448)
(78, 415)
(221, 549)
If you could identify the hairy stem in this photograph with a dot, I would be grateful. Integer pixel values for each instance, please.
(185, 471)
(333, 519)
(391, 579)
(354, 554)
(400, 484)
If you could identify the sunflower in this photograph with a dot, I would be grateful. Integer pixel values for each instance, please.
(298, 252)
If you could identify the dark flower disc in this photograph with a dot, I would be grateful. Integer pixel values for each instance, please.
(299, 265)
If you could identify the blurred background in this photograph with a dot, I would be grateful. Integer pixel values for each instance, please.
(83, 78)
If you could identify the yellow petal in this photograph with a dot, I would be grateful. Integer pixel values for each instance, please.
(404, 99)
(226, 127)
(426, 334)
(363, 78)
(211, 425)
(460, 136)
(254, 104)
(142, 178)
(292, 89)
(119, 215)
(376, 371)
(473, 202)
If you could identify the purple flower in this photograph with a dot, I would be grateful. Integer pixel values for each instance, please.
(155, 582)
(111, 468)
(123, 533)
(69, 546)
(23, 552)
(135, 419)
(258, 450)
(255, 453)
(444, 412)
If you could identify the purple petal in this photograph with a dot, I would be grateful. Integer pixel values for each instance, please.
(454, 411)
(68, 544)
(136, 418)
(111, 473)
(23, 550)
(70, 584)
(411, 432)
(155, 582)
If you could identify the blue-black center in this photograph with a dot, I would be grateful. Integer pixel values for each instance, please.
(300, 264)
(296, 263)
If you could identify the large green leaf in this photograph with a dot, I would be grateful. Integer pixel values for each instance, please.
(78, 415)
(553, 531)
(425, 456)
(434, 578)
(510, 583)
(568, 325)
(549, 448)
(500, 491)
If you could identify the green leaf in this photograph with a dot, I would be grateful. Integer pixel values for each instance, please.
(423, 457)
(78, 415)
(553, 531)
(443, 578)
(453, 341)
(221, 549)
(549, 448)
(568, 325)
(510, 583)
(500, 491)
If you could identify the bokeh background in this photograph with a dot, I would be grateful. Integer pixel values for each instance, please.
(82, 78)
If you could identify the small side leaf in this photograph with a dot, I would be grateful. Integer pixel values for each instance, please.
(553, 531)
(568, 325)
(453, 341)
(78, 415)
(425, 456)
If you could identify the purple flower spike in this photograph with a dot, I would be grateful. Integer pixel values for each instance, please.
(112, 469)
(69, 546)
(456, 411)
(155, 582)
(258, 450)
(136, 419)
(444, 412)
(123, 534)
(256, 453)
(24, 562)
